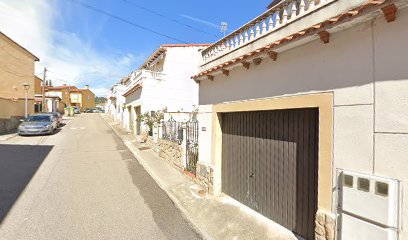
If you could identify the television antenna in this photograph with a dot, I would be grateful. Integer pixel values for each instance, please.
(224, 27)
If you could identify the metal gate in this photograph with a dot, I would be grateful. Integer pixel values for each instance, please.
(192, 145)
(270, 164)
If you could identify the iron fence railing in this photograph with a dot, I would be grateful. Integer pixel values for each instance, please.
(192, 130)
(173, 131)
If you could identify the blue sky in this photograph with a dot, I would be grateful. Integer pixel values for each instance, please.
(80, 46)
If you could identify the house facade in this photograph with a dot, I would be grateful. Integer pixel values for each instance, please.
(83, 98)
(46, 103)
(16, 69)
(72, 96)
(305, 117)
(162, 82)
(116, 101)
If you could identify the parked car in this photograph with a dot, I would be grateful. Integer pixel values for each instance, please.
(38, 124)
(92, 110)
(58, 116)
(77, 110)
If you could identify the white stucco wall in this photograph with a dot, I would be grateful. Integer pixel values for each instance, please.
(54, 94)
(176, 91)
(205, 136)
(116, 106)
(366, 69)
(180, 64)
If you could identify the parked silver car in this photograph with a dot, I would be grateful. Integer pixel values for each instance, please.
(38, 124)
(57, 115)
(77, 110)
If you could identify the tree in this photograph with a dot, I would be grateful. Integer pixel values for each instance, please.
(150, 118)
(100, 100)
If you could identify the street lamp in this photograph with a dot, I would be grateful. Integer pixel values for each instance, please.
(26, 87)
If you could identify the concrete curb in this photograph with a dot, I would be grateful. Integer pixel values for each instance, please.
(8, 136)
(204, 234)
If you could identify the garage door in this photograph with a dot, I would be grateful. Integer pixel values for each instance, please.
(270, 164)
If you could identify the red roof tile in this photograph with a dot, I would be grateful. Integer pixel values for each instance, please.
(60, 87)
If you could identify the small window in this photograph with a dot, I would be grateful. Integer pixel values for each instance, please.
(348, 181)
(363, 184)
(381, 189)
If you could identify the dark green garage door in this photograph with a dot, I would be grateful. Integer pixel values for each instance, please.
(270, 164)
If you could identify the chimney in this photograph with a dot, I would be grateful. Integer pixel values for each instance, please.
(86, 86)
(64, 85)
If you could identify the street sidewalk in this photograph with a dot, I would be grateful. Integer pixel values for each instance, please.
(7, 136)
(215, 218)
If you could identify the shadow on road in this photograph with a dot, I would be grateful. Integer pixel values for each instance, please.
(18, 164)
(8, 132)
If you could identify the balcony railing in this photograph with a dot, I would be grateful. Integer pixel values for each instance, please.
(141, 74)
(275, 18)
(140, 77)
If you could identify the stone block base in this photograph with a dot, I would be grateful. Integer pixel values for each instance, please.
(325, 225)
(9, 124)
(205, 177)
(171, 152)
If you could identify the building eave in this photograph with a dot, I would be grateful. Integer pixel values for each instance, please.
(368, 7)
(163, 48)
(153, 57)
(132, 90)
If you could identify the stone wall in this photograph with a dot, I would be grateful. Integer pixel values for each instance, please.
(171, 152)
(205, 177)
(325, 225)
(7, 125)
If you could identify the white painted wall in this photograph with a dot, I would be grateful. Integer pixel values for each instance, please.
(177, 91)
(204, 118)
(54, 94)
(49, 103)
(178, 116)
(115, 107)
(366, 69)
(180, 90)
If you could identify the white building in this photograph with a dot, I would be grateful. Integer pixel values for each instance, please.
(306, 117)
(163, 82)
(116, 101)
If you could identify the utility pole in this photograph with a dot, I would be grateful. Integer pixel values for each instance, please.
(43, 91)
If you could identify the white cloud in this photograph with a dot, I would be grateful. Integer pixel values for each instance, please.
(67, 56)
(100, 91)
(205, 22)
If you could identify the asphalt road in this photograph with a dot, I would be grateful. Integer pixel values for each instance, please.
(81, 183)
